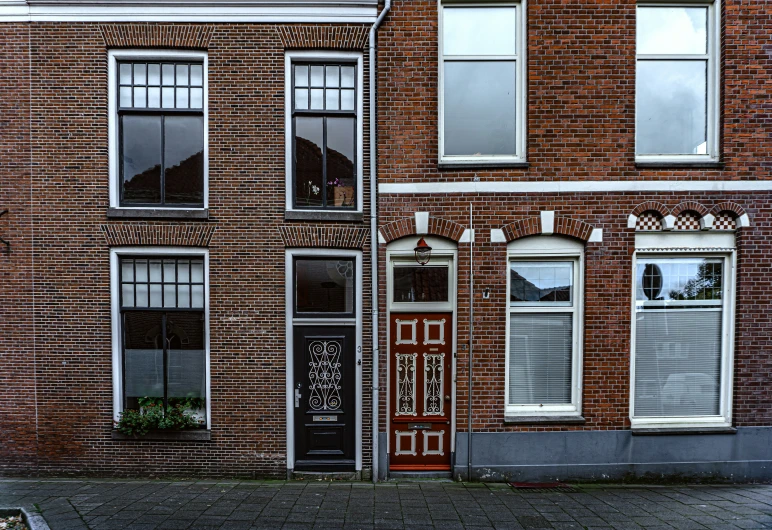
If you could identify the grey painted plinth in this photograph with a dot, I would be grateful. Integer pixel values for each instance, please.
(616, 455)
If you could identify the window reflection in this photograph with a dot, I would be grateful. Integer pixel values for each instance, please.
(141, 150)
(324, 286)
(184, 159)
(540, 282)
(672, 112)
(420, 284)
(479, 108)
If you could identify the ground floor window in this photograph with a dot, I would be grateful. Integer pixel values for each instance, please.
(680, 320)
(544, 327)
(161, 332)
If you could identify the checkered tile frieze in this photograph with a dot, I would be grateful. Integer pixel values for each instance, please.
(687, 221)
(648, 222)
(724, 221)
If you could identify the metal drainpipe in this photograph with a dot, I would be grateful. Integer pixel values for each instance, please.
(374, 230)
(471, 345)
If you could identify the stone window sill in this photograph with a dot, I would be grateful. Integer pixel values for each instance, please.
(193, 435)
(316, 215)
(663, 164)
(156, 213)
(482, 165)
(544, 420)
(662, 431)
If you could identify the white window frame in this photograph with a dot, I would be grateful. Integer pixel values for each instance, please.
(675, 245)
(113, 56)
(713, 57)
(322, 57)
(559, 249)
(115, 301)
(521, 82)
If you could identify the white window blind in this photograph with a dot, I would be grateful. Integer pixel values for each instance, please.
(677, 362)
(678, 333)
(540, 351)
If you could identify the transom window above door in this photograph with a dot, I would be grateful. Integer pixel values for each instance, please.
(324, 287)
(325, 133)
(420, 283)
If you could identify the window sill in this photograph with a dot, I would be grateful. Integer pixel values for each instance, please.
(483, 165)
(193, 435)
(675, 164)
(157, 213)
(316, 215)
(544, 420)
(662, 431)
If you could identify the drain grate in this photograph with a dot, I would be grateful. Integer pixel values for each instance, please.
(541, 486)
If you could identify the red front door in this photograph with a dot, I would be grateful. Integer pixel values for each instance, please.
(420, 404)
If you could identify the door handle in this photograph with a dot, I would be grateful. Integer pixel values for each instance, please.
(297, 398)
(447, 398)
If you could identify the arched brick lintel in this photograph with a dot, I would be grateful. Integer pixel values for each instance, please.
(727, 206)
(406, 227)
(563, 226)
(690, 206)
(651, 206)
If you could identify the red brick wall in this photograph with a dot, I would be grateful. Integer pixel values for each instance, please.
(581, 94)
(581, 126)
(67, 345)
(607, 301)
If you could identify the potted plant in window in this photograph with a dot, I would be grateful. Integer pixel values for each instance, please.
(180, 414)
(342, 195)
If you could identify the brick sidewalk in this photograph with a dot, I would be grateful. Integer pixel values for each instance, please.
(145, 505)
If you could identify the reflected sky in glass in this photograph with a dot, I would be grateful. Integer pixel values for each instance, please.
(663, 30)
(479, 108)
(479, 31)
(671, 107)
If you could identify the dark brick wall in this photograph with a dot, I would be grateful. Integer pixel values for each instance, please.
(581, 126)
(18, 407)
(56, 367)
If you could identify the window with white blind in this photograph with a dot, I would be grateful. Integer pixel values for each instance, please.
(544, 328)
(682, 322)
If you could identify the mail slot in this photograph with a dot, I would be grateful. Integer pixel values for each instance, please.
(325, 418)
(419, 425)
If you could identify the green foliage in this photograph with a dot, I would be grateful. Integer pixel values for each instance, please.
(151, 415)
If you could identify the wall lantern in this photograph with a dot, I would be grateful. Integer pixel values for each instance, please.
(423, 252)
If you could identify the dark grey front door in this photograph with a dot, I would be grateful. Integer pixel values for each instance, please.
(324, 398)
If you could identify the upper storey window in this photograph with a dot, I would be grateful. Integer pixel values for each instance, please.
(677, 83)
(325, 131)
(159, 122)
(482, 83)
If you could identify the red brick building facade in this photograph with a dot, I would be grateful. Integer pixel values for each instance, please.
(577, 177)
(571, 258)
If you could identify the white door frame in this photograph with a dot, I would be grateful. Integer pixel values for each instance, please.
(289, 256)
(445, 251)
